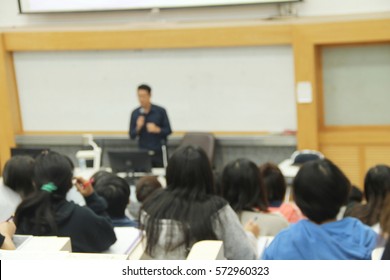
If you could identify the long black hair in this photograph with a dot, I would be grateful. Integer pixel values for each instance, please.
(35, 215)
(376, 187)
(242, 186)
(189, 199)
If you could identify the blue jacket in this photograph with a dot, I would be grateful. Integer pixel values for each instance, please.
(347, 239)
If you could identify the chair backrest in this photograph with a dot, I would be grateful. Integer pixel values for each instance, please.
(204, 140)
(377, 253)
(207, 250)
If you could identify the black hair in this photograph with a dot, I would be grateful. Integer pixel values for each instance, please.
(18, 174)
(146, 186)
(320, 189)
(355, 195)
(274, 182)
(385, 216)
(376, 187)
(100, 175)
(189, 199)
(116, 191)
(145, 87)
(37, 210)
(242, 186)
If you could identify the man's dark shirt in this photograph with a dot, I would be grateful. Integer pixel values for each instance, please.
(150, 141)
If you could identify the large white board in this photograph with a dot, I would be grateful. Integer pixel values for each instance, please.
(222, 89)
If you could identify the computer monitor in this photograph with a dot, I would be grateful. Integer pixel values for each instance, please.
(130, 161)
(32, 152)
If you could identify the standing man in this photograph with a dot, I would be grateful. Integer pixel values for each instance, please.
(151, 124)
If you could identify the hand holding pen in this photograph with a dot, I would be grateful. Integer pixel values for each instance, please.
(84, 186)
(253, 227)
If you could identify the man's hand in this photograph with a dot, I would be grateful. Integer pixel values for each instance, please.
(153, 128)
(140, 122)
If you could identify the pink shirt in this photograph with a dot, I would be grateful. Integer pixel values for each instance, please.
(290, 211)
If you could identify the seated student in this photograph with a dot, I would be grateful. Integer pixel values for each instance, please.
(17, 176)
(320, 189)
(243, 188)
(188, 210)
(355, 197)
(144, 188)
(7, 231)
(100, 175)
(116, 191)
(46, 212)
(376, 187)
(275, 185)
(385, 225)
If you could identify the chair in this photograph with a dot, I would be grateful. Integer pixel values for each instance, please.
(377, 253)
(204, 140)
(207, 250)
(303, 156)
(290, 167)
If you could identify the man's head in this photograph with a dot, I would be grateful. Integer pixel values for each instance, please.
(144, 93)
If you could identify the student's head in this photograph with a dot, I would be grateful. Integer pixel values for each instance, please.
(377, 183)
(376, 188)
(52, 178)
(320, 189)
(189, 172)
(274, 182)
(144, 93)
(52, 167)
(146, 186)
(355, 195)
(242, 186)
(100, 175)
(116, 192)
(18, 174)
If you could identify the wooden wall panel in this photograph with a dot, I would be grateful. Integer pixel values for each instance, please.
(376, 155)
(7, 139)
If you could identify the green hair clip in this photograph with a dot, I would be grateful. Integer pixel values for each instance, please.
(49, 187)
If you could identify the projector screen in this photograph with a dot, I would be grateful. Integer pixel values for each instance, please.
(48, 6)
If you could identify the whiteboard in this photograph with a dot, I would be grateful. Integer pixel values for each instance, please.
(211, 89)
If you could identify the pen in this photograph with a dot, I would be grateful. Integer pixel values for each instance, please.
(87, 183)
(10, 219)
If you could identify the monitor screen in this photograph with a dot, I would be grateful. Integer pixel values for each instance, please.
(130, 161)
(32, 152)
